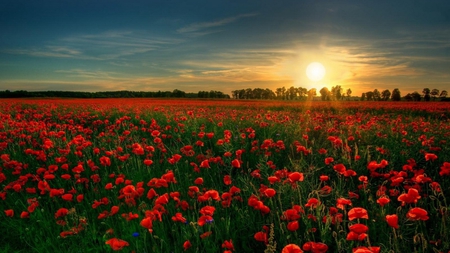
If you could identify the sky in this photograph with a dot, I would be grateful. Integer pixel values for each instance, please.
(110, 45)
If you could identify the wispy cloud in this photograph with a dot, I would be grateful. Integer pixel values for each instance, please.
(47, 51)
(109, 45)
(201, 26)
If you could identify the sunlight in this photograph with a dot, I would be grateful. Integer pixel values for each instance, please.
(315, 71)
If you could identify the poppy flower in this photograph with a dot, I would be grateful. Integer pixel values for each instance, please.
(228, 245)
(291, 248)
(25, 215)
(417, 213)
(363, 249)
(147, 223)
(315, 247)
(206, 234)
(357, 212)
(236, 164)
(198, 181)
(186, 245)
(9, 213)
(295, 177)
(117, 244)
(392, 220)
(293, 226)
(227, 179)
(61, 212)
(409, 198)
(179, 217)
(269, 192)
(342, 202)
(382, 201)
(430, 156)
(67, 197)
(358, 228)
(114, 210)
(312, 203)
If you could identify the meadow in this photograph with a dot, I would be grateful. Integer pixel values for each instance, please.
(155, 175)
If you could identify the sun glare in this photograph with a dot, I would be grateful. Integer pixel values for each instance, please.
(315, 71)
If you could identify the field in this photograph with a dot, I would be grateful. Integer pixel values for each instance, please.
(153, 175)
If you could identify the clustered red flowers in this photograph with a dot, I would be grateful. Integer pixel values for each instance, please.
(196, 168)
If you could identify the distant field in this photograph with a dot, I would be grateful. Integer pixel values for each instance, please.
(160, 175)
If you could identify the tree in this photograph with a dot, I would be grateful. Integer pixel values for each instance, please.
(312, 93)
(336, 92)
(385, 95)
(292, 93)
(376, 95)
(396, 95)
(443, 94)
(363, 96)
(325, 94)
(178, 93)
(426, 94)
(248, 93)
(283, 92)
(349, 93)
(416, 96)
(408, 97)
(302, 92)
(369, 95)
(434, 93)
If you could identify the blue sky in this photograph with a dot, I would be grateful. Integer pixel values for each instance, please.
(223, 45)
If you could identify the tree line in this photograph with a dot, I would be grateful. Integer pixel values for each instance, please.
(336, 93)
(113, 94)
(427, 95)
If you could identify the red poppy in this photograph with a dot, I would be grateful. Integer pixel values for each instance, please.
(409, 198)
(392, 220)
(363, 249)
(61, 212)
(9, 213)
(315, 247)
(25, 215)
(147, 223)
(198, 181)
(227, 179)
(206, 234)
(417, 213)
(291, 248)
(114, 210)
(357, 212)
(430, 156)
(269, 192)
(179, 217)
(382, 201)
(312, 203)
(235, 163)
(228, 245)
(117, 244)
(359, 228)
(67, 197)
(329, 160)
(293, 226)
(186, 245)
(295, 177)
(342, 202)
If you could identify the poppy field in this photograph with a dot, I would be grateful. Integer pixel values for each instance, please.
(155, 175)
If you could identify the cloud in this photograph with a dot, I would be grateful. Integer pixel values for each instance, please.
(48, 51)
(110, 45)
(197, 27)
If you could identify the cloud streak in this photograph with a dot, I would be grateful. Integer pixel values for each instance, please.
(197, 27)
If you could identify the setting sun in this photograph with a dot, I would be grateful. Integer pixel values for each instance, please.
(315, 71)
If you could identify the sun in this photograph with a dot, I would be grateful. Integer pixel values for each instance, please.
(315, 71)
